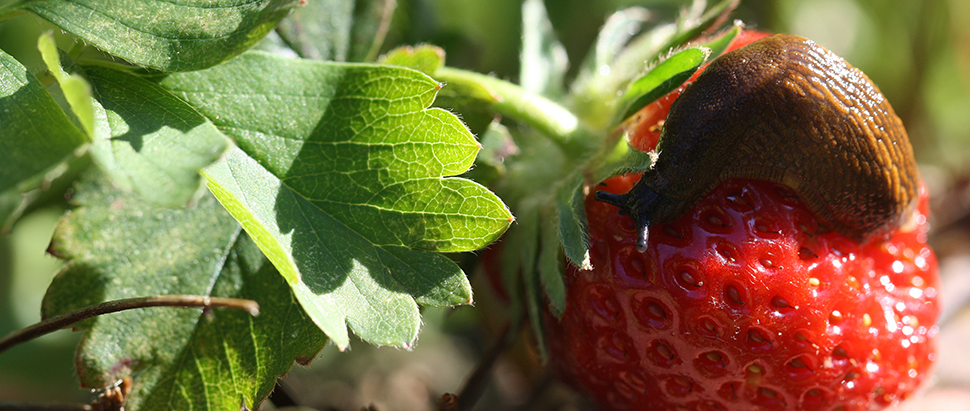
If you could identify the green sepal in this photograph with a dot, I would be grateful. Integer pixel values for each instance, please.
(571, 210)
(551, 269)
(543, 58)
(721, 42)
(662, 79)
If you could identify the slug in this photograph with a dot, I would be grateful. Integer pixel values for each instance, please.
(786, 110)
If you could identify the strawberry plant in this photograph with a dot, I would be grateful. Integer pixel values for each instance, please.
(227, 155)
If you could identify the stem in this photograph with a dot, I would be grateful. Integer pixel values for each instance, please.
(12, 10)
(61, 321)
(387, 14)
(513, 101)
(477, 382)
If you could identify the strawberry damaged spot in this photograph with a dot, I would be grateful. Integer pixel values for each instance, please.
(746, 303)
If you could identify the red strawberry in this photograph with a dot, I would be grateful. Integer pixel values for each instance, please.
(744, 303)
(644, 127)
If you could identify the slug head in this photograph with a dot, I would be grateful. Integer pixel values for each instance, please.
(637, 203)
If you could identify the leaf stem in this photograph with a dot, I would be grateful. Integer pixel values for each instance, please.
(510, 100)
(12, 10)
(61, 321)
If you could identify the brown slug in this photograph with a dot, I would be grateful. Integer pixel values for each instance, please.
(786, 110)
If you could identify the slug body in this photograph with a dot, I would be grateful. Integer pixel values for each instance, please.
(786, 110)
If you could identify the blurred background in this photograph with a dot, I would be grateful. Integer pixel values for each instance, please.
(916, 51)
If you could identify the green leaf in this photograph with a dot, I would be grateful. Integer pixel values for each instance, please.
(114, 242)
(543, 59)
(149, 141)
(347, 196)
(615, 34)
(170, 36)
(320, 30)
(76, 90)
(692, 26)
(594, 92)
(424, 58)
(339, 30)
(497, 145)
(662, 79)
(36, 135)
(372, 20)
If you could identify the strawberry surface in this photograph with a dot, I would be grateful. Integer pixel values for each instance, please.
(747, 303)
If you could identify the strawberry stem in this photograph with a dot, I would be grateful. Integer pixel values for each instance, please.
(508, 99)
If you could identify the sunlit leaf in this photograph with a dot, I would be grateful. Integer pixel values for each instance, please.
(341, 178)
(424, 58)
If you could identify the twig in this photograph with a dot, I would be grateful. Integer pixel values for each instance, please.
(61, 321)
(476, 383)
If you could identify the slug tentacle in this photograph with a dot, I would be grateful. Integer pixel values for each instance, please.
(639, 203)
(786, 110)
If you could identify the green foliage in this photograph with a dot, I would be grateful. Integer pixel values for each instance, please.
(114, 243)
(424, 58)
(338, 30)
(341, 181)
(340, 173)
(594, 93)
(662, 79)
(37, 134)
(543, 58)
(76, 90)
(148, 140)
(349, 197)
(165, 35)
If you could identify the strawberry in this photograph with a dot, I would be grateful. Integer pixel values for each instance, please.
(746, 303)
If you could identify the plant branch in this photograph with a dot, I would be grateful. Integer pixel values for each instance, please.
(477, 382)
(61, 321)
(513, 101)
